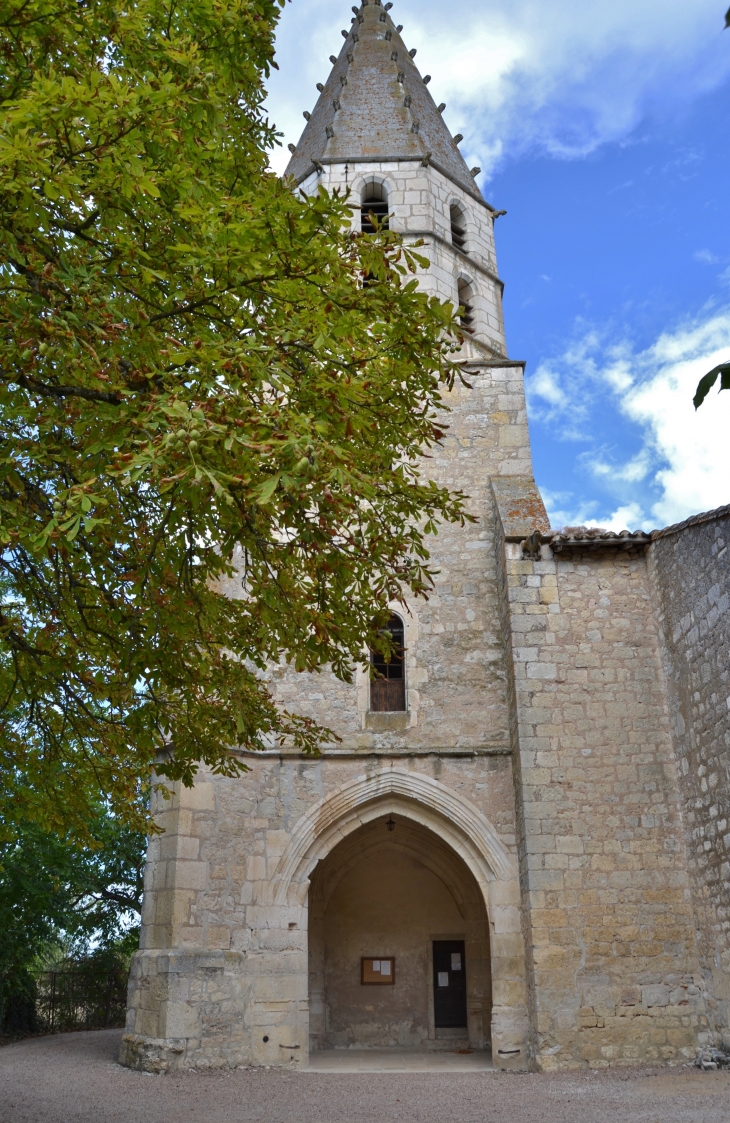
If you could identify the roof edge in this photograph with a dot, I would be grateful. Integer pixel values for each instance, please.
(693, 520)
(592, 537)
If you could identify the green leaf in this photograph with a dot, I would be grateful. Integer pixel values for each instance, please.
(267, 489)
(705, 384)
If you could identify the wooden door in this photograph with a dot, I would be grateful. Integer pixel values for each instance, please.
(449, 984)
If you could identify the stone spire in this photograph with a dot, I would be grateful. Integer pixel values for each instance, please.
(376, 106)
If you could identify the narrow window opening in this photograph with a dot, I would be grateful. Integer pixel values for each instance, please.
(388, 687)
(374, 201)
(465, 300)
(458, 227)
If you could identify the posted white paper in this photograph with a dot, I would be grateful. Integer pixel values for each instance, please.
(443, 978)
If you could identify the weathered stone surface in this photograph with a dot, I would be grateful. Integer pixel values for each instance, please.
(607, 904)
(690, 569)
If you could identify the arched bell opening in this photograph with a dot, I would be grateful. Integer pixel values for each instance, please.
(399, 946)
(373, 202)
(457, 221)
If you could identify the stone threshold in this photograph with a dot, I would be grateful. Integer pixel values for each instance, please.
(398, 1060)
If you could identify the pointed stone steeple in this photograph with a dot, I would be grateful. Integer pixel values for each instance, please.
(376, 106)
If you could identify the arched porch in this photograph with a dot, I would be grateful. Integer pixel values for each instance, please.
(461, 881)
(394, 892)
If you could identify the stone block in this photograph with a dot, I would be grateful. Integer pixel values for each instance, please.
(656, 995)
(218, 936)
(201, 797)
(190, 875)
(181, 1020)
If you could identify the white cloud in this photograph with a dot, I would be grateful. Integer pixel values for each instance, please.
(560, 77)
(628, 517)
(545, 385)
(693, 445)
(683, 463)
(631, 472)
(563, 510)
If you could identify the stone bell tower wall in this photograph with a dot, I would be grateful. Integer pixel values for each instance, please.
(223, 976)
(455, 671)
(419, 203)
(690, 570)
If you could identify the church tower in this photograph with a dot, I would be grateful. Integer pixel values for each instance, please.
(377, 132)
(468, 866)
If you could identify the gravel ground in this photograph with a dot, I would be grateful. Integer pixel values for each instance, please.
(74, 1078)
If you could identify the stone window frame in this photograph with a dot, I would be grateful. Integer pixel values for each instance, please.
(407, 718)
(469, 321)
(358, 186)
(404, 674)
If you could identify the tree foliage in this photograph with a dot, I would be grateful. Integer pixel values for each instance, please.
(55, 894)
(50, 886)
(210, 423)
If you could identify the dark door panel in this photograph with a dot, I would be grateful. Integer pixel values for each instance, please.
(449, 984)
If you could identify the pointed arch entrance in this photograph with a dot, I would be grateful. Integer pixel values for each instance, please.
(394, 897)
(455, 847)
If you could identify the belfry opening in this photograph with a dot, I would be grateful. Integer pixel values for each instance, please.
(399, 951)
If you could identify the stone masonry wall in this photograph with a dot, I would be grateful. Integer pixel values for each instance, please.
(455, 671)
(690, 569)
(222, 977)
(607, 909)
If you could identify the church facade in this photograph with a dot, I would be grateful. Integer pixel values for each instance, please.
(521, 841)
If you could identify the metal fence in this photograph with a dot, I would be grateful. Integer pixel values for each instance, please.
(88, 996)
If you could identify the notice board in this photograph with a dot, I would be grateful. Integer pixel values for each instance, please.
(377, 970)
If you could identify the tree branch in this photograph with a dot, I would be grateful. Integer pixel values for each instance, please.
(47, 391)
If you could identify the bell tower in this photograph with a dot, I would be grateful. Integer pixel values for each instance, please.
(251, 952)
(377, 131)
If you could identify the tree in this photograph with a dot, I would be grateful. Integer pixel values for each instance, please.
(210, 424)
(54, 893)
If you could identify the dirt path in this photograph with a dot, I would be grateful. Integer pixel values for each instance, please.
(74, 1078)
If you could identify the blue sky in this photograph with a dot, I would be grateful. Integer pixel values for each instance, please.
(604, 131)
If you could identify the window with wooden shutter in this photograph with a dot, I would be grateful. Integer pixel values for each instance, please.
(388, 685)
(465, 300)
(458, 227)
